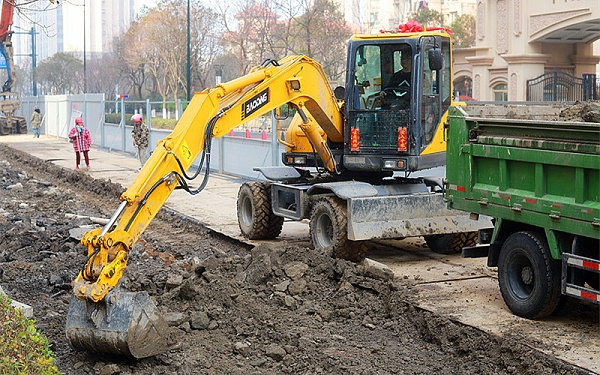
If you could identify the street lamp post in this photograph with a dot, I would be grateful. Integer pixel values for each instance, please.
(33, 56)
(33, 61)
(188, 74)
(84, 54)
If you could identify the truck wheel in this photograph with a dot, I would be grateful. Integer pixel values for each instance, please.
(528, 276)
(329, 230)
(451, 243)
(255, 216)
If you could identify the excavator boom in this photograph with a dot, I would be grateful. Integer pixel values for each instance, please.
(295, 80)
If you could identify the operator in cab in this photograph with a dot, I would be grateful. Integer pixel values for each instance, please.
(383, 76)
(396, 91)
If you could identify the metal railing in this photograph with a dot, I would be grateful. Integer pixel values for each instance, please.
(235, 154)
(560, 86)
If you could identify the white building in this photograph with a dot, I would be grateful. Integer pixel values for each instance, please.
(71, 26)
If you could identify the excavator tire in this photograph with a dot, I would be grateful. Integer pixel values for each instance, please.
(124, 323)
(255, 216)
(329, 230)
(451, 243)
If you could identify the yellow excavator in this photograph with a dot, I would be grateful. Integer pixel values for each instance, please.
(350, 154)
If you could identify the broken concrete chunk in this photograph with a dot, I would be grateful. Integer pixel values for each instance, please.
(27, 310)
(295, 270)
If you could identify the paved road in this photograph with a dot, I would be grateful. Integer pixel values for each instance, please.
(462, 289)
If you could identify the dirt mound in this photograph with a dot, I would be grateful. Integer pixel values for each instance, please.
(272, 309)
(581, 111)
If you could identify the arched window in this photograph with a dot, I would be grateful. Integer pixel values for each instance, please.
(500, 92)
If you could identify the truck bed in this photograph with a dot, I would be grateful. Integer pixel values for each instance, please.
(539, 172)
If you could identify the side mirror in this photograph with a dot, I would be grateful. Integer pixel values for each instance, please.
(340, 93)
(436, 60)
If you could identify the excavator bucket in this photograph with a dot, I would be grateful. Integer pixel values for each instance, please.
(125, 323)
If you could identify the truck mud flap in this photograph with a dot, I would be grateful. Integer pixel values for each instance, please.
(409, 215)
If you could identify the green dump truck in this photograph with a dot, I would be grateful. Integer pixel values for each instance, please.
(538, 180)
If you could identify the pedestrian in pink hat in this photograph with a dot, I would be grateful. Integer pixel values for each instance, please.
(82, 140)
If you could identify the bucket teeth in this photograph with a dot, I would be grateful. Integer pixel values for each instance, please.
(125, 323)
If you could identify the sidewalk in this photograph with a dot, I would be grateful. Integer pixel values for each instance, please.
(215, 206)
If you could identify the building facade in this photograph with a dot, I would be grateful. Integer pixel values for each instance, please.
(518, 41)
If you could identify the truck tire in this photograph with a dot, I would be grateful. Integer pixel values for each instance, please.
(255, 216)
(329, 230)
(451, 243)
(529, 278)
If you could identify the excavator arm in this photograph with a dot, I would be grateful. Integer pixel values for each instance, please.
(6, 20)
(296, 80)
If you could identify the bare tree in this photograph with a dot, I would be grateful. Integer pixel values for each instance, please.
(61, 74)
(286, 33)
(162, 50)
(129, 51)
(249, 30)
(322, 34)
(315, 28)
(103, 75)
(205, 46)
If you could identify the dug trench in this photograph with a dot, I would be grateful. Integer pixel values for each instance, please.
(232, 309)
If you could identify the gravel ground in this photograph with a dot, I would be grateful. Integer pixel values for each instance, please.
(231, 309)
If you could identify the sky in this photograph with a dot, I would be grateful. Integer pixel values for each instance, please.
(140, 3)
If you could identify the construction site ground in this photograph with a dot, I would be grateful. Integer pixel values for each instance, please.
(264, 307)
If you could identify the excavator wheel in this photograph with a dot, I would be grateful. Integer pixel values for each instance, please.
(451, 243)
(255, 216)
(329, 230)
(124, 323)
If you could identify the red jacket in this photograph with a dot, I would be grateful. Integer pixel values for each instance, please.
(81, 141)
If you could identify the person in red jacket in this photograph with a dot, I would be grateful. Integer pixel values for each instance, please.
(82, 140)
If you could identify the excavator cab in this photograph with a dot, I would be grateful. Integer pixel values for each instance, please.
(397, 91)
